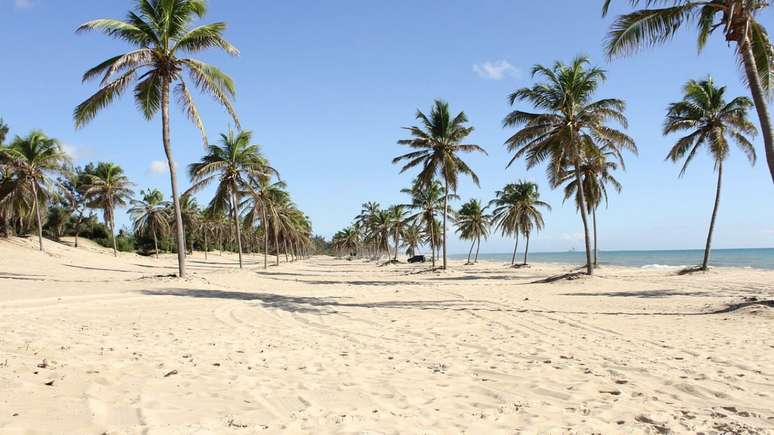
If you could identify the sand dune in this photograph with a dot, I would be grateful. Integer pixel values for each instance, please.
(95, 344)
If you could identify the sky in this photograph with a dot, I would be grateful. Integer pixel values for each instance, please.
(326, 88)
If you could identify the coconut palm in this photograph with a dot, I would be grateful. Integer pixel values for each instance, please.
(713, 123)
(345, 241)
(30, 162)
(191, 215)
(397, 221)
(596, 174)
(263, 201)
(516, 212)
(108, 188)
(473, 224)
(530, 216)
(737, 19)
(571, 126)
(162, 34)
(149, 216)
(233, 164)
(73, 186)
(438, 143)
(412, 238)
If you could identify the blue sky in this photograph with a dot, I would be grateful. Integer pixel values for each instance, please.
(327, 86)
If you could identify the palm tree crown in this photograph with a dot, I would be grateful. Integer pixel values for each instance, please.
(149, 215)
(108, 188)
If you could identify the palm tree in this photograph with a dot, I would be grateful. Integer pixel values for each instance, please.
(571, 127)
(473, 224)
(427, 201)
(530, 217)
(233, 163)
(149, 215)
(711, 122)
(439, 143)
(396, 222)
(108, 188)
(30, 162)
(160, 31)
(191, 215)
(73, 186)
(264, 198)
(346, 240)
(596, 173)
(738, 19)
(412, 238)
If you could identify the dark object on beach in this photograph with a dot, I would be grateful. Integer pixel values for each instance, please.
(417, 259)
(173, 372)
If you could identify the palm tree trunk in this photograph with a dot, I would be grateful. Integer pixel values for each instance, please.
(77, 230)
(156, 245)
(707, 248)
(432, 241)
(594, 221)
(276, 247)
(37, 214)
(285, 248)
(445, 216)
(526, 248)
(206, 245)
(515, 247)
(584, 218)
(236, 225)
(265, 239)
(470, 252)
(173, 178)
(397, 242)
(113, 235)
(478, 247)
(759, 97)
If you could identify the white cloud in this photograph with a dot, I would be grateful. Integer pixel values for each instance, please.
(495, 70)
(77, 152)
(71, 151)
(23, 4)
(158, 167)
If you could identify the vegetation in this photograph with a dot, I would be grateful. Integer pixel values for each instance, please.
(149, 216)
(108, 188)
(713, 123)
(473, 224)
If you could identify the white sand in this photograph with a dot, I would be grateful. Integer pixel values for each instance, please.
(331, 346)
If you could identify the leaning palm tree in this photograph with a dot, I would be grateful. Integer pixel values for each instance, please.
(510, 209)
(473, 224)
(737, 19)
(108, 188)
(263, 200)
(233, 164)
(530, 217)
(149, 216)
(29, 164)
(438, 143)
(397, 221)
(712, 123)
(571, 127)
(161, 31)
(596, 174)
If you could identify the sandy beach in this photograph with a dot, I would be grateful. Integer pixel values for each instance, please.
(94, 344)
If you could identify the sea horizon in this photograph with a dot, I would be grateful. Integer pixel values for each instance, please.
(758, 258)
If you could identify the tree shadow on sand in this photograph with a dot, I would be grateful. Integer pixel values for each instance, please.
(331, 304)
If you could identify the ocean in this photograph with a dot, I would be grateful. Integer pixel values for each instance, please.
(762, 258)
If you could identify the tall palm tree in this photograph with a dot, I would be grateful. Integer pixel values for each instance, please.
(571, 126)
(596, 173)
(263, 201)
(29, 163)
(397, 221)
(233, 164)
(427, 201)
(738, 20)
(161, 31)
(473, 224)
(109, 188)
(149, 216)
(713, 123)
(438, 143)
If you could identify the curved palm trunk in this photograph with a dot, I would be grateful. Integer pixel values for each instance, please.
(759, 97)
(432, 241)
(707, 248)
(584, 218)
(526, 249)
(236, 226)
(445, 217)
(173, 178)
(470, 252)
(594, 221)
(478, 247)
(515, 247)
(37, 214)
(113, 236)
(156, 245)
(265, 240)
